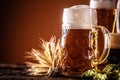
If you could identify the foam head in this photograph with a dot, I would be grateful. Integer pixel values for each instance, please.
(102, 3)
(78, 15)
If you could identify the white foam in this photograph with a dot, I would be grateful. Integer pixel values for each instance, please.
(102, 3)
(73, 26)
(77, 16)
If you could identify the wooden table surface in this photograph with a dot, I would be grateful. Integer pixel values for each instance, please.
(19, 72)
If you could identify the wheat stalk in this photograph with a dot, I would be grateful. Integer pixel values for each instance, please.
(49, 58)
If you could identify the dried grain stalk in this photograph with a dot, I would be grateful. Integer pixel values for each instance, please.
(49, 57)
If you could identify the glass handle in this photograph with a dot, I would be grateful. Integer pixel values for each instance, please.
(106, 48)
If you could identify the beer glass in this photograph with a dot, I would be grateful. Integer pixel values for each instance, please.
(80, 41)
(106, 13)
(114, 55)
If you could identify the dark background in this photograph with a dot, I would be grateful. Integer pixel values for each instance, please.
(22, 22)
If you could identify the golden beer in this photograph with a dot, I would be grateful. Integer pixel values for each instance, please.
(80, 41)
(114, 56)
(79, 49)
(106, 17)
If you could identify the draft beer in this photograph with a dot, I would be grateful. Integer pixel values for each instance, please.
(79, 48)
(114, 55)
(106, 17)
(106, 13)
(80, 41)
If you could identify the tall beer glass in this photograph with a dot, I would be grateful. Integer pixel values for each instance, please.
(106, 13)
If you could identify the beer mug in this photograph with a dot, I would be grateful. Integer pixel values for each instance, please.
(80, 41)
(114, 55)
(106, 13)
